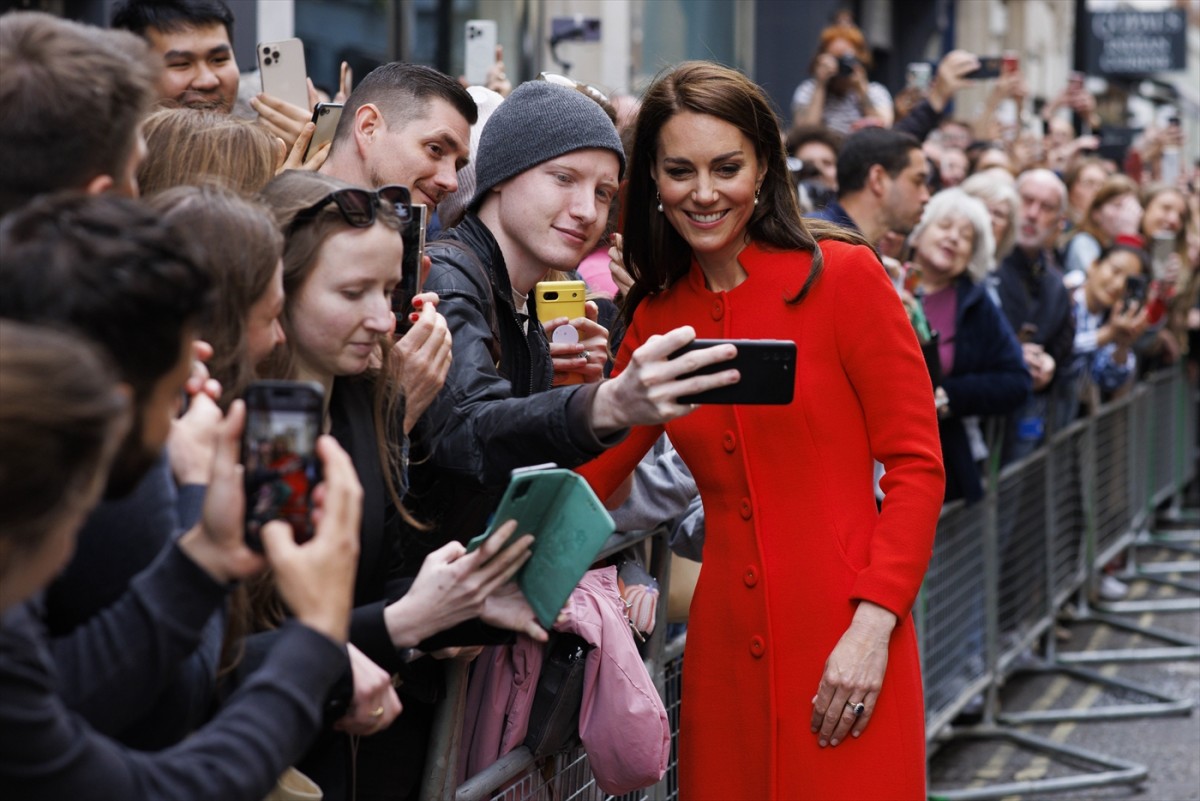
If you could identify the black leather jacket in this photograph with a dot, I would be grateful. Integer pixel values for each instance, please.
(497, 410)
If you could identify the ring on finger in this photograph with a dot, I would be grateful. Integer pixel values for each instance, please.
(587, 354)
(377, 712)
(857, 709)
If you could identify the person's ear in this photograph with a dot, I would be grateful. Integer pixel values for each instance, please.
(877, 179)
(368, 124)
(99, 185)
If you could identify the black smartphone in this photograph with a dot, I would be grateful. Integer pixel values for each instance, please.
(1135, 290)
(989, 67)
(767, 366)
(410, 270)
(326, 117)
(279, 458)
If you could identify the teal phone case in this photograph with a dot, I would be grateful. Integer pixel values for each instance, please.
(569, 526)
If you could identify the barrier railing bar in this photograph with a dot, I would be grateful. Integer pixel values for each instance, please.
(1162, 704)
(1113, 770)
(503, 770)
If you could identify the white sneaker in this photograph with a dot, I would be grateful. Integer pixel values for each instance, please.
(1111, 588)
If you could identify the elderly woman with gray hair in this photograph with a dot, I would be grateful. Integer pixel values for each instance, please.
(982, 371)
(998, 190)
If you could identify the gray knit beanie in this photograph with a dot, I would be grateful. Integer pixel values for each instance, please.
(538, 122)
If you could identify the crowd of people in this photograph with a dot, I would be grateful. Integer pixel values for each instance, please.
(167, 239)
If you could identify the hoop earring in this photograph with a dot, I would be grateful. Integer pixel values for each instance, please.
(658, 197)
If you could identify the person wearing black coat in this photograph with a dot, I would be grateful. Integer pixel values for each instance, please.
(983, 373)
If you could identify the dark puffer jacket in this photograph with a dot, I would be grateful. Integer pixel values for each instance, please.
(497, 410)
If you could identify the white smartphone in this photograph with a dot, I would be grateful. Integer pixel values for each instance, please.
(281, 65)
(479, 52)
(326, 117)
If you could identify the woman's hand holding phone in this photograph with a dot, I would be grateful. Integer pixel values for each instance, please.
(646, 392)
(587, 356)
(295, 157)
(453, 585)
(425, 354)
(316, 578)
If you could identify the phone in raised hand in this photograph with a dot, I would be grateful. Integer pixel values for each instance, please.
(279, 455)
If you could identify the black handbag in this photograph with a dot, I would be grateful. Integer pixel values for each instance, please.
(554, 717)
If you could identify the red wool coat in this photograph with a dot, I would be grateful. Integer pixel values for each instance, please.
(794, 539)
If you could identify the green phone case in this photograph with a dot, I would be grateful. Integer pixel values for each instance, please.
(569, 526)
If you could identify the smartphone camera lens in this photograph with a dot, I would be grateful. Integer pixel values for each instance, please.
(268, 61)
(275, 55)
(551, 296)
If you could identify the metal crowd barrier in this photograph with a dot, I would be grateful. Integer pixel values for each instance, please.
(1001, 574)
(1088, 496)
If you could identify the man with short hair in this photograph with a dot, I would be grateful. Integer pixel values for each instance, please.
(404, 124)
(72, 100)
(1037, 305)
(883, 184)
(194, 39)
(548, 168)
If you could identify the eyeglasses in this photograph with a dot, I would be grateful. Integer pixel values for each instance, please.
(571, 83)
(357, 206)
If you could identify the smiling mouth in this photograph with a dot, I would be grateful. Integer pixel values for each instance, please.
(576, 235)
(706, 218)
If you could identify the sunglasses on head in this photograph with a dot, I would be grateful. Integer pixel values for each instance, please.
(357, 206)
(571, 83)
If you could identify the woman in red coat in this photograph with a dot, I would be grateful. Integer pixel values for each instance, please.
(802, 678)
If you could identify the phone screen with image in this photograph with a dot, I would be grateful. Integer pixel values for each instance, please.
(281, 468)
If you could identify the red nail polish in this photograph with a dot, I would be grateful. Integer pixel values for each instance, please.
(418, 303)
(414, 317)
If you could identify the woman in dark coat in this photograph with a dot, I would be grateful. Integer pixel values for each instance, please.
(982, 370)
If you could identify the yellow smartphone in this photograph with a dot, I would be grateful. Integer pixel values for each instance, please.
(555, 299)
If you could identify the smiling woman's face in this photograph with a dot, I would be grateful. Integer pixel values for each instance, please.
(945, 246)
(707, 174)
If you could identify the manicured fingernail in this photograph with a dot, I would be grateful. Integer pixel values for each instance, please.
(833, 742)
(414, 317)
(855, 733)
(418, 303)
(822, 743)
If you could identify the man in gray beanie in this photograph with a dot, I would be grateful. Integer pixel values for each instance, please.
(547, 171)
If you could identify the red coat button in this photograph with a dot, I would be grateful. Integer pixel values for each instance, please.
(718, 310)
(758, 647)
(750, 575)
(746, 510)
(729, 441)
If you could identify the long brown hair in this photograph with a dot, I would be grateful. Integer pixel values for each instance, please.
(287, 195)
(655, 254)
(190, 146)
(243, 246)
